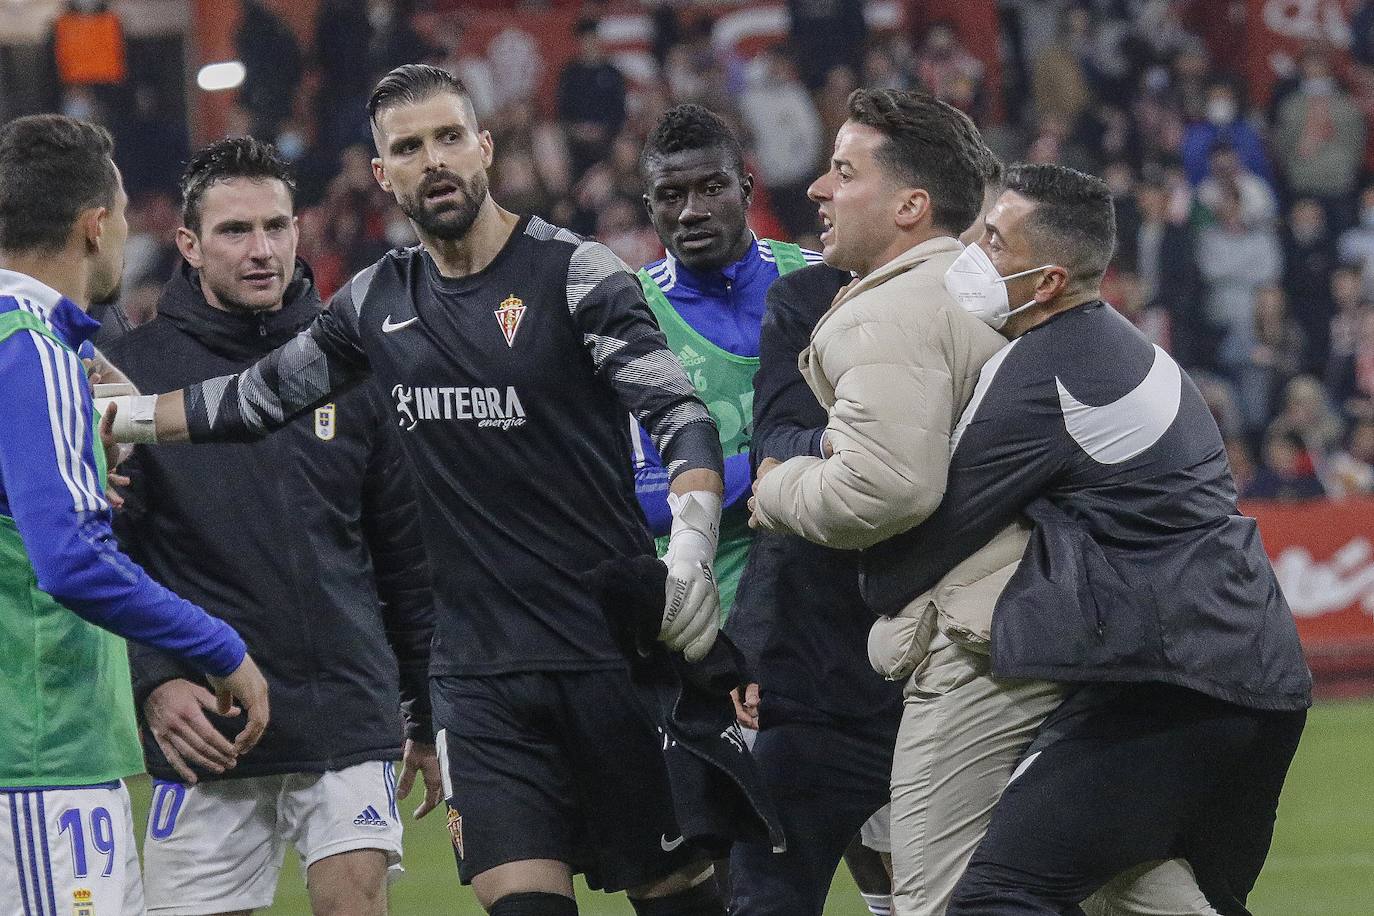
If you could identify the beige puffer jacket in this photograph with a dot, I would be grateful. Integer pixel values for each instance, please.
(894, 361)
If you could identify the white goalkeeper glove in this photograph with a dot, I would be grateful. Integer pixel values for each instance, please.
(691, 615)
(134, 420)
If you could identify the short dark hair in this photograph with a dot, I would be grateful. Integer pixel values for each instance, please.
(411, 83)
(929, 144)
(51, 168)
(691, 127)
(1073, 221)
(234, 157)
(993, 169)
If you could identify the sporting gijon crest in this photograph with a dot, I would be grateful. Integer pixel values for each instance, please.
(508, 315)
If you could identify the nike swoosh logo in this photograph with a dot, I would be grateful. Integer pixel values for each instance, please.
(1117, 432)
(669, 847)
(390, 327)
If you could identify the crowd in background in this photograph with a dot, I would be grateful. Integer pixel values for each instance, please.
(1246, 233)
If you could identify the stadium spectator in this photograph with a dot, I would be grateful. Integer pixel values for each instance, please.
(1148, 317)
(884, 69)
(1235, 260)
(785, 129)
(1278, 356)
(827, 34)
(1350, 472)
(1286, 472)
(1309, 257)
(1259, 206)
(832, 99)
(274, 62)
(1163, 252)
(343, 34)
(1351, 376)
(1060, 84)
(1307, 413)
(947, 70)
(1349, 302)
(88, 43)
(1224, 125)
(591, 98)
(1319, 137)
(1356, 244)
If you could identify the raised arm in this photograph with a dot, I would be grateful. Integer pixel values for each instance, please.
(297, 376)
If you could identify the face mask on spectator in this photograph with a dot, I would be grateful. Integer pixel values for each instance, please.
(975, 284)
(1221, 111)
(1318, 85)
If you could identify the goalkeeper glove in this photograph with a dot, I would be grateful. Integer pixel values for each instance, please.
(691, 616)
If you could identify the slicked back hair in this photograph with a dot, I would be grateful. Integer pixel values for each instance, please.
(52, 167)
(691, 127)
(235, 157)
(411, 83)
(927, 144)
(1073, 222)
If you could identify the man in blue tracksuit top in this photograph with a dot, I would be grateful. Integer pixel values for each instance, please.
(708, 297)
(829, 722)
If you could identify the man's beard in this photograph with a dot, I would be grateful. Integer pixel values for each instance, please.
(452, 222)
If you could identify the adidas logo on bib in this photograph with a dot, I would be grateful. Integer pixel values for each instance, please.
(689, 357)
(369, 818)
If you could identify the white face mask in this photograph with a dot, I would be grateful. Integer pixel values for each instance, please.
(975, 284)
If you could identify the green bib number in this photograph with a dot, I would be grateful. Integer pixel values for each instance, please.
(725, 382)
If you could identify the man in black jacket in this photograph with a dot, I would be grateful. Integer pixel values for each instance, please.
(1142, 587)
(310, 544)
(827, 721)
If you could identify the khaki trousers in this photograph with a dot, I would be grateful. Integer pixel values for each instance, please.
(961, 737)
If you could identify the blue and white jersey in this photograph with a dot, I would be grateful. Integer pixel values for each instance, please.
(50, 486)
(727, 309)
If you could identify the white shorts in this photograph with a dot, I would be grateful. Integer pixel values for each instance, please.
(68, 851)
(876, 833)
(218, 846)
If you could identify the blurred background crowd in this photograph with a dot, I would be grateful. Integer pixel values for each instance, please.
(1246, 224)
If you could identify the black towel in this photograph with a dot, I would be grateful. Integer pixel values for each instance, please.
(717, 793)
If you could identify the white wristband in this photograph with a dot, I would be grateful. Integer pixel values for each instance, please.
(135, 421)
(696, 525)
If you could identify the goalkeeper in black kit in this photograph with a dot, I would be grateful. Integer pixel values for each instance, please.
(511, 350)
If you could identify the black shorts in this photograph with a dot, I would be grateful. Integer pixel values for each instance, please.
(556, 765)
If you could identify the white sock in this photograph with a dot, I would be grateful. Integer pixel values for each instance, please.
(878, 904)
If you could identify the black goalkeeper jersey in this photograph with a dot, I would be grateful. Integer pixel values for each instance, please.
(510, 388)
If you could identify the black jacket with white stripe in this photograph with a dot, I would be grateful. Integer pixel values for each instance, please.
(308, 543)
(510, 388)
(1140, 567)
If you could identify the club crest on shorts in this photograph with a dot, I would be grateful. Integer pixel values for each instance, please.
(509, 315)
(455, 830)
(82, 904)
(324, 422)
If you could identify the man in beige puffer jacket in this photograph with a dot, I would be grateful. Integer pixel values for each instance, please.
(895, 361)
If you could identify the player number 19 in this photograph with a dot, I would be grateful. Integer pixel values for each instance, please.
(102, 838)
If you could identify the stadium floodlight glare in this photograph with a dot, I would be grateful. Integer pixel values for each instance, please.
(225, 75)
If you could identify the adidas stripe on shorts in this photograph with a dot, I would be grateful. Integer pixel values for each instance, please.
(68, 852)
(218, 846)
